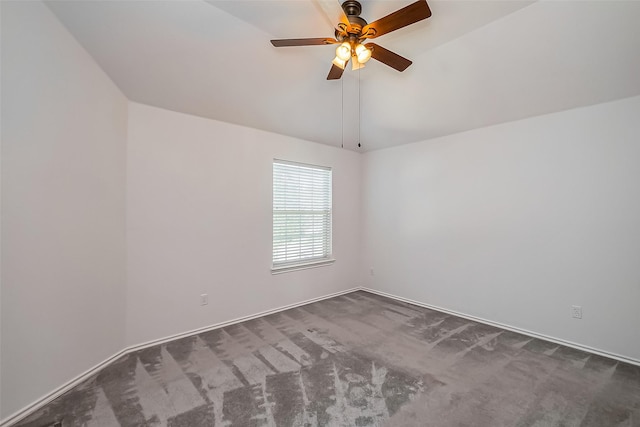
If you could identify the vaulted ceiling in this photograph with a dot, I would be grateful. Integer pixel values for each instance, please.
(475, 63)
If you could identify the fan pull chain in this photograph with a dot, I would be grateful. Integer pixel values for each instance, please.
(342, 113)
(359, 112)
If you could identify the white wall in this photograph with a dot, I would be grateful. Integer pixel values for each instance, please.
(199, 221)
(515, 223)
(63, 194)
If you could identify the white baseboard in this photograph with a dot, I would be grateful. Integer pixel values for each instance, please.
(509, 328)
(234, 321)
(51, 396)
(54, 394)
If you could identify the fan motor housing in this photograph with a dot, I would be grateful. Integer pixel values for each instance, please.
(352, 9)
(357, 23)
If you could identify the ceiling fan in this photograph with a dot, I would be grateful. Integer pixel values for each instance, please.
(352, 31)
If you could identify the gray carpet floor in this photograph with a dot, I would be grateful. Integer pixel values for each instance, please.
(355, 360)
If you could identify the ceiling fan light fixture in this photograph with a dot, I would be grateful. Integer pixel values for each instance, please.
(343, 51)
(339, 62)
(363, 53)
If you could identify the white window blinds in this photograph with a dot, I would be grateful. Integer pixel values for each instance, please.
(301, 213)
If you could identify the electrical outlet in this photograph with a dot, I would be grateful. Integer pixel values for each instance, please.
(204, 299)
(576, 311)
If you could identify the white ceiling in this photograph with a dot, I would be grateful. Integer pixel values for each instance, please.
(475, 63)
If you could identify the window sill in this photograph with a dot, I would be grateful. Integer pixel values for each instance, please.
(302, 266)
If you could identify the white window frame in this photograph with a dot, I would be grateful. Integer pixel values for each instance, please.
(317, 202)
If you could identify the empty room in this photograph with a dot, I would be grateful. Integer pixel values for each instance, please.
(320, 213)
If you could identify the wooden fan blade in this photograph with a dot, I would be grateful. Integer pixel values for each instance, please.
(400, 18)
(387, 57)
(303, 42)
(335, 73)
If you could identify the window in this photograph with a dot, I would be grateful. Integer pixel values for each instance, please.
(301, 216)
